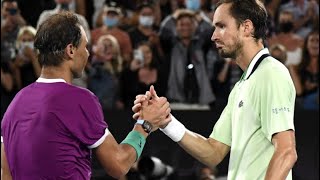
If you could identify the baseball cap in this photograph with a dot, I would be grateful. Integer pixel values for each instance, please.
(112, 6)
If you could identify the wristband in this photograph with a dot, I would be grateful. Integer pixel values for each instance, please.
(136, 140)
(174, 130)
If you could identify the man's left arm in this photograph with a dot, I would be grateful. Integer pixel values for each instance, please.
(284, 156)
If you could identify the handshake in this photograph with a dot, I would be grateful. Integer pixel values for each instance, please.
(156, 112)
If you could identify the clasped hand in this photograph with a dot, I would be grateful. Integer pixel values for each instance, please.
(152, 108)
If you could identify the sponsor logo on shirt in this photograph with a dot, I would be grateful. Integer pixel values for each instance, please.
(240, 104)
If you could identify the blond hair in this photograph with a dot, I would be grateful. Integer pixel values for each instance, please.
(115, 65)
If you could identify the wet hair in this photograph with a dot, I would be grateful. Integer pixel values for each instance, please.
(253, 10)
(54, 35)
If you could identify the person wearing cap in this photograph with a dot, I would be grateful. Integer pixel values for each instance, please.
(65, 5)
(111, 16)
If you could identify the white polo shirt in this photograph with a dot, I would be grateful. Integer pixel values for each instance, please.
(260, 105)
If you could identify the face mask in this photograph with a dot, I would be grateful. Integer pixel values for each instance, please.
(110, 22)
(286, 27)
(146, 21)
(27, 44)
(193, 5)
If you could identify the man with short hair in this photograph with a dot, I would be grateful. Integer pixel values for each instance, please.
(51, 126)
(256, 126)
(65, 5)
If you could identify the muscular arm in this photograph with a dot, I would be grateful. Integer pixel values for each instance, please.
(5, 172)
(207, 150)
(284, 156)
(116, 158)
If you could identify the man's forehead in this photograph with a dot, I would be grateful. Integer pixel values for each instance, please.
(220, 13)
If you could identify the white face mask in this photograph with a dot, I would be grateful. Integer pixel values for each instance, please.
(27, 44)
(146, 20)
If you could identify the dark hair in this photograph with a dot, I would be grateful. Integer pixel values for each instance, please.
(306, 58)
(154, 61)
(253, 10)
(54, 35)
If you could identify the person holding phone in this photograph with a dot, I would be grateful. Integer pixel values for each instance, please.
(144, 70)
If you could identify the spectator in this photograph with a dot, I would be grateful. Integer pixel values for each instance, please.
(279, 52)
(288, 38)
(146, 30)
(67, 5)
(188, 80)
(11, 21)
(168, 25)
(7, 87)
(305, 13)
(105, 70)
(111, 16)
(27, 67)
(309, 70)
(143, 72)
(226, 74)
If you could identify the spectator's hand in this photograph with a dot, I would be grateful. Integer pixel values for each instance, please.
(29, 53)
(135, 65)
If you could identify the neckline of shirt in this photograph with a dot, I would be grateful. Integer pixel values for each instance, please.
(45, 80)
(254, 61)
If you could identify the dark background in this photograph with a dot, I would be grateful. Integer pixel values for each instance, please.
(202, 122)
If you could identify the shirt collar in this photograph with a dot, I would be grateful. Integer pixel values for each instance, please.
(254, 61)
(44, 80)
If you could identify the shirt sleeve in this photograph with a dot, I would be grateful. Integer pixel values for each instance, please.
(222, 130)
(277, 95)
(84, 119)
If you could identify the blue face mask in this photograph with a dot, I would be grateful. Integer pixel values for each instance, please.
(193, 5)
(110, 22)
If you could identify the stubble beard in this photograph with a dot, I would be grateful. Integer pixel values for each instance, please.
(233, 52)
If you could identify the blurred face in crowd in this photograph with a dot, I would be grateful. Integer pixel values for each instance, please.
(185, 27)
(147, 53)
(226, 35)
(110, 18)
(26, 40)
(286, 22)
(313, 44)
(146, 17)
(9, 9)
(106, 49)
(81, 55)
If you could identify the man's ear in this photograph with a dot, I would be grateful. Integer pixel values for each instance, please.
(70, 50)
(248, 28)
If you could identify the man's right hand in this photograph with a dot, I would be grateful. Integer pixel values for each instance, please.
(150, 100)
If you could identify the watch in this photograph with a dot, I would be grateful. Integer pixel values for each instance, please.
(147, 127)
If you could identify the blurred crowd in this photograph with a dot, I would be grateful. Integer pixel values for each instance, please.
(166, 43)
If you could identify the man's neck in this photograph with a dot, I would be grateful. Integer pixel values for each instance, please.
(248, 53)
(59, 72)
